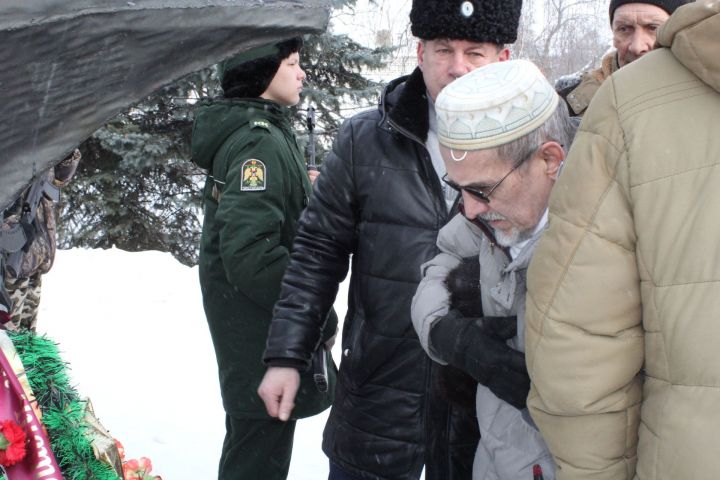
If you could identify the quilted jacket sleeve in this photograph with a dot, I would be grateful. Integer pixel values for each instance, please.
(319, 260)
(584, 341)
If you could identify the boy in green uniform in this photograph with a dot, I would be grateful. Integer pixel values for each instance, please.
(256, 189)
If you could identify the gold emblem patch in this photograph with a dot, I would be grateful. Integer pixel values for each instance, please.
(254, 176)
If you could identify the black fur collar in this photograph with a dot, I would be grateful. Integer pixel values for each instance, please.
(408, 105)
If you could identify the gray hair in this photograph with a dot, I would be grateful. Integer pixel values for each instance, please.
(559, 128)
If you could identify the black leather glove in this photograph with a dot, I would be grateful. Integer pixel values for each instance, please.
(454, 336)
(477, 346)
(455, 323)
(511, 386)
(463, 283)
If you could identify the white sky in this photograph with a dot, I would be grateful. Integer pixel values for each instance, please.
(368, 18)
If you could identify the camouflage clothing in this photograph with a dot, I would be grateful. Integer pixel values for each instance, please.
(41, 253)
(23, 286)
(25, 296)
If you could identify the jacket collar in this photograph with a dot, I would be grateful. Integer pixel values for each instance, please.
(610, 64)
(405, 103)
(217, 119)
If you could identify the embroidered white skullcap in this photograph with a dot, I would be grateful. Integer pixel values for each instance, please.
(494, 105)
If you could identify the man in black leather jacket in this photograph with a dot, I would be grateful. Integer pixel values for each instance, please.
(380, 202)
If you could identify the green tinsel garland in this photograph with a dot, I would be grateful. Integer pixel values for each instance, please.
(62, 408)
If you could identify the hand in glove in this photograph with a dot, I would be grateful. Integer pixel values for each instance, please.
(454, 323)
(477, 346)
(511, 386)
(463, 284)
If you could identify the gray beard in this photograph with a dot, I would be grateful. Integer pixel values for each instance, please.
(510, 238)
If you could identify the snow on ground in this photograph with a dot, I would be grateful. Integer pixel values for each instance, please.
(132, 327)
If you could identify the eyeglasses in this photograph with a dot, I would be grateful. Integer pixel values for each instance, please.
(476, 192)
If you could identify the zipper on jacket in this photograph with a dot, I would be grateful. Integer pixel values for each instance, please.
(443, 214)
(425, 160)
(426, 412)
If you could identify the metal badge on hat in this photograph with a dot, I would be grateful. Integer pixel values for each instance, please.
(467, 9)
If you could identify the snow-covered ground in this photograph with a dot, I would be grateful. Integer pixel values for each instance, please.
(132, 327)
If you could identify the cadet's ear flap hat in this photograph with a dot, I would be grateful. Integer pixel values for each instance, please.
(493, 21)
(494, 105)
(249, 74)
(668, 5)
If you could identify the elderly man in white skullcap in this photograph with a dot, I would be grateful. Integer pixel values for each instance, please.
(503, 133)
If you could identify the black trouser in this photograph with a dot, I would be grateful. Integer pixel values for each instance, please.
(452, 425)
(256, 449)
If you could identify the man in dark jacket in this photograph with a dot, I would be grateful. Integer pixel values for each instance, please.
(380, 200)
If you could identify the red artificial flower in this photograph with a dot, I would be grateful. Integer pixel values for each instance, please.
(121, 449)
(130, 470)
(12, 443)
(145, 465)
(138, 469)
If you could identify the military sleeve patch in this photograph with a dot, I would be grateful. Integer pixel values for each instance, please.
(254, 176)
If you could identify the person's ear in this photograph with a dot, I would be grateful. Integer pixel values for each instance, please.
(553, 154)
(420, 53)
(504, 55)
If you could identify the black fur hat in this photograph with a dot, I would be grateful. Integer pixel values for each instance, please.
(249, 74)
(494, 21)
(668, 5)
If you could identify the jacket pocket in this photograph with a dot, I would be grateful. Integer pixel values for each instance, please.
(352, 351)
(372, 357)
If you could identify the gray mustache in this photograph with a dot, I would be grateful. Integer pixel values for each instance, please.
(490, 216)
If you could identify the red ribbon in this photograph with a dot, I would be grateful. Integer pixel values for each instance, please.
(39, 463)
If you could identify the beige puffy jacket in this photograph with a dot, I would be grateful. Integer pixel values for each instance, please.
(623, 305)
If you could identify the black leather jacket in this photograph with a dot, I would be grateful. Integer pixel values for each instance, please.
(378, 200)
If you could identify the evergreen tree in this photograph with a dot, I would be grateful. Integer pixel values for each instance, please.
(335, 84)
(136, 188)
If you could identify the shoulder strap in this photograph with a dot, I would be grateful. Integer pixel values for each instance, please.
(17, 235)
(259, 123)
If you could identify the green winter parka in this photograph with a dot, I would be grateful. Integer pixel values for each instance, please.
(256, 189)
